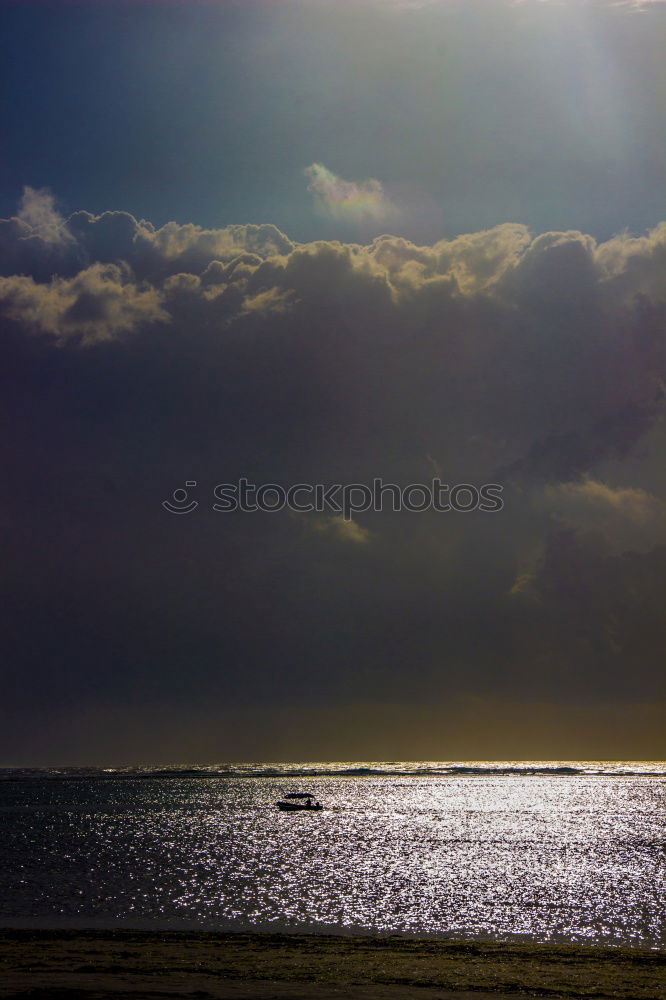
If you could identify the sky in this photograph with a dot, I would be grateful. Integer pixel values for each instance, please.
(306, 241)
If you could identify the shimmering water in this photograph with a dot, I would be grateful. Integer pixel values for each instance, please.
(548, 852)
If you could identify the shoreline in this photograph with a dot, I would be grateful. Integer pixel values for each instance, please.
(87, 964)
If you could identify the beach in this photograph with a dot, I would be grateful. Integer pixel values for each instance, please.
(132, 964)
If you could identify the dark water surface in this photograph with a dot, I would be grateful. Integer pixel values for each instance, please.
(546, 851)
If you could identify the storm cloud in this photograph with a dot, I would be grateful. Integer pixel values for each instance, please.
(136, 358)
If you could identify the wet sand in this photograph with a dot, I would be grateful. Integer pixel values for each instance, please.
(143, 964)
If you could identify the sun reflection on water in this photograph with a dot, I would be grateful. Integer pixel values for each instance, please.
(552, 858)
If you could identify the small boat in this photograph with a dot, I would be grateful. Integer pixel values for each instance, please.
(299, 802)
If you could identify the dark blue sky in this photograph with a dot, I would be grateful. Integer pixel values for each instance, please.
(470, 114)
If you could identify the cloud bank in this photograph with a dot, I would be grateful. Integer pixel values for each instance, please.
(138, 357)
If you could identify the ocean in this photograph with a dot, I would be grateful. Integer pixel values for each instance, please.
(541, 851)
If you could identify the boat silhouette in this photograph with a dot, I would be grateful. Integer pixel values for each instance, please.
(299, 802)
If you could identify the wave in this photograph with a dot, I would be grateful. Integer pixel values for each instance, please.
(654, 769)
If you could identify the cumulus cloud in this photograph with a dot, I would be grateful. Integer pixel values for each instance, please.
(354, 201)
(549, 350)
(100, 303)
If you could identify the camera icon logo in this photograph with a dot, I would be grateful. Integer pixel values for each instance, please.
(179, 500)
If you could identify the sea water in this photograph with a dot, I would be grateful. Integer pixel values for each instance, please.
(540, 851)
